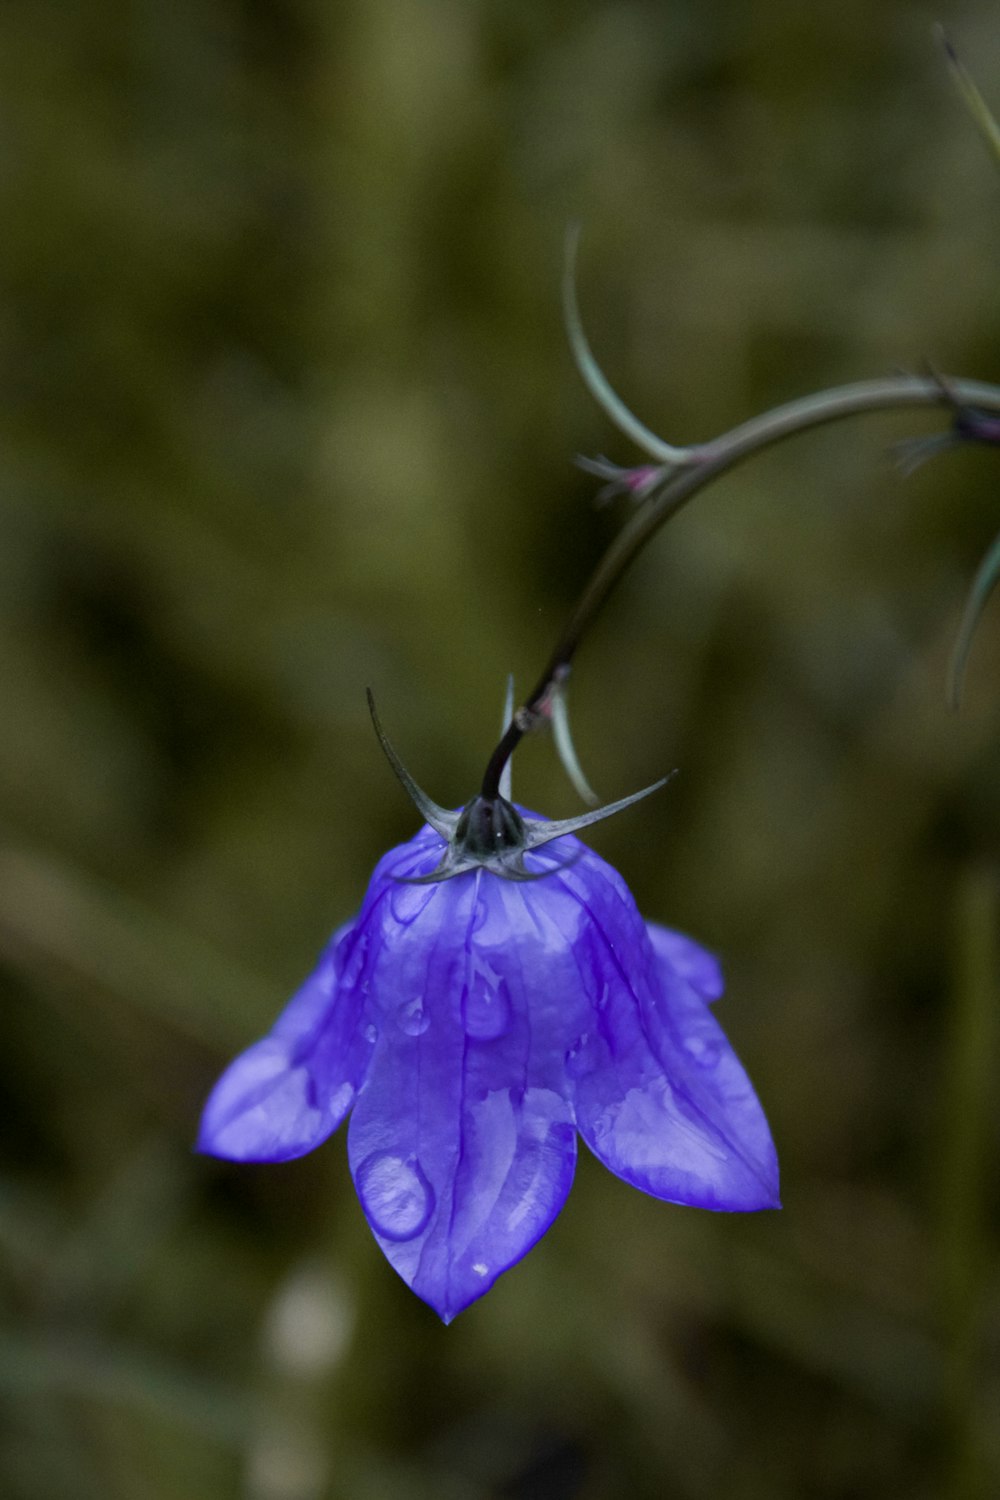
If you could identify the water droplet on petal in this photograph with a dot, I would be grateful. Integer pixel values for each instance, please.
(580, 1057)
(481, 1268)
(413, 1016)
(704, 1050)
(371, 1035)
(355, 951)
(341, 1100)
(395, 1195)
(486, 1009)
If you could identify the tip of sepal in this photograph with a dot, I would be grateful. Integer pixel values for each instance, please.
(910, 454)
(541, 831)
(441, 819)
(982, 587)
(593, 376)
(982, 115)
(566, 750)
(944, 41)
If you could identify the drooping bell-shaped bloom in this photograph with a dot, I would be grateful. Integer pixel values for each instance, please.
(473, 1022)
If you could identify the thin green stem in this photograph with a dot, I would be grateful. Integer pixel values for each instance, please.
(705, 464)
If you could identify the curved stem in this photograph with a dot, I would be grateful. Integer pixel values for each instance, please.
(706, 464)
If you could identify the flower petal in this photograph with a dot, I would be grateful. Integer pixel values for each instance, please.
(687, 960)
(289, 1091)
(462, 1144)
(661, 1098)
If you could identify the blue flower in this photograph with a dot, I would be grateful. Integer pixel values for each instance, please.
(472, 1026)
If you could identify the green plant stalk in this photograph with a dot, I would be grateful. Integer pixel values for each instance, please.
(700, 467)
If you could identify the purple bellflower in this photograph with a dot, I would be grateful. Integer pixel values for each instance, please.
(490, 1001)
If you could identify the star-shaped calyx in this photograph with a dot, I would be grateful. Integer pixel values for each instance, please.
(490, 832)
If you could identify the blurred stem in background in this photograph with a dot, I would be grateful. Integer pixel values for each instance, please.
(967, 1112)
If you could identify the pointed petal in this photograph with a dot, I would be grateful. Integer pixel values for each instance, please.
(462, 1144)
(287, 1093)
(679, 956)
(661, 1098)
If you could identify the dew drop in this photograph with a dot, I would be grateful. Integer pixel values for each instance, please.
(704, 1050)
(480, 1267)
(354, 959)
(580, 1057)
(395, 1194)
(340, 1101)
(371, 1035)
(486, 1009)
(413, 1016)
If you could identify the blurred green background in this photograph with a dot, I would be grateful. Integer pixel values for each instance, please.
(287, 410)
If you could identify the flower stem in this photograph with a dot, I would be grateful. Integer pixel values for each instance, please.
(705, 464)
